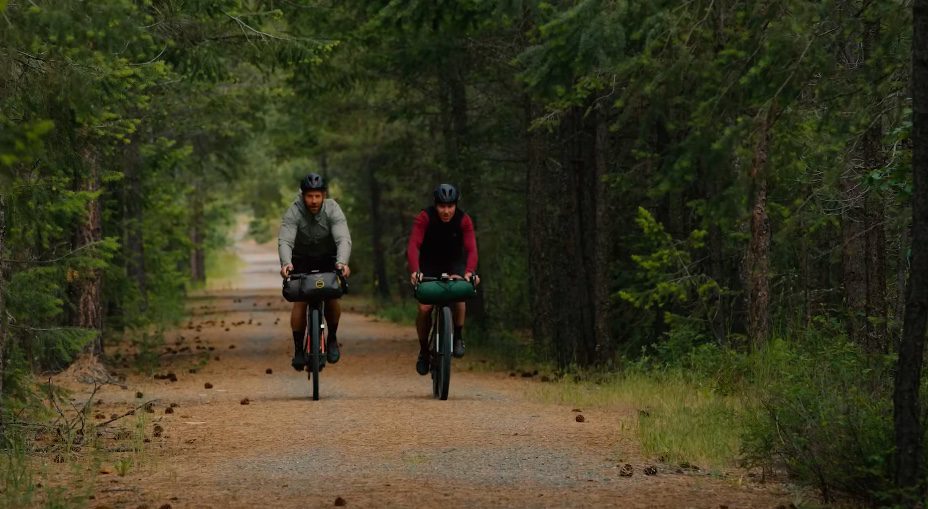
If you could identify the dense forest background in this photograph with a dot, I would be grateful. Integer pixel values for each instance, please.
(722, 188)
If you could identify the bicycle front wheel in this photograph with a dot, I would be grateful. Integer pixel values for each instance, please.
(444, 351)
(314, 353)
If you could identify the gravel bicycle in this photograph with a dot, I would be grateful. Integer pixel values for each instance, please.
(441, 292)
(315, 288)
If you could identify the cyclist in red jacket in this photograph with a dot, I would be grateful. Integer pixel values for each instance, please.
(442, 242)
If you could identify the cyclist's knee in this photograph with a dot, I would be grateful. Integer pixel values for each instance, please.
(425, 309)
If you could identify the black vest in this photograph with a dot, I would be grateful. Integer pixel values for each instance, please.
(443, 244)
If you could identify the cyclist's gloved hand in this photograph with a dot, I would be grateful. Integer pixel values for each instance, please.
(346, 270)
(286, 270)
(414, 278)
(470, 276)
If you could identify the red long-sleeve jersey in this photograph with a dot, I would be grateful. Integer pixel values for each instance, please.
(420, 226)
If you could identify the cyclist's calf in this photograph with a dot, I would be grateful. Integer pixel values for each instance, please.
(333, 312)
(298, 316)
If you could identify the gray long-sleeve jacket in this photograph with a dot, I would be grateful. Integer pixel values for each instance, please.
(323, 234)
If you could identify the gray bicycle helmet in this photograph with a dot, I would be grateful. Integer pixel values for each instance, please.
(313, 182)
(446, 193)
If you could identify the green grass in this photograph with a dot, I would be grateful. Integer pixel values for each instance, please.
(673, 418)
(28, 479)
(503, 351)
(54, 462)
(222, 268)
(402, 312)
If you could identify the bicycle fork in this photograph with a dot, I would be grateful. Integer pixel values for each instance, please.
(306, 337)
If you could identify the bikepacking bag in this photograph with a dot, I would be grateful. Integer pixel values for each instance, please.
(313, 287)
(442, 292)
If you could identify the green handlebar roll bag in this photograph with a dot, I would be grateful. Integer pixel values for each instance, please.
(442, 292)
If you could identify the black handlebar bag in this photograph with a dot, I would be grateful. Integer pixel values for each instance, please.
(313, 286)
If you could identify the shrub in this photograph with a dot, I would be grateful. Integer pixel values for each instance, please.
(825, 417)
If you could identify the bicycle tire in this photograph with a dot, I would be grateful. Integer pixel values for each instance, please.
(314, 353)
(433, 353)
(445, 352)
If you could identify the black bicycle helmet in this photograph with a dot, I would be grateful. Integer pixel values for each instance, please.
(446, 193)
(313, 182)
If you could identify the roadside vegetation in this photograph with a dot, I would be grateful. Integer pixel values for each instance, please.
(708, 210)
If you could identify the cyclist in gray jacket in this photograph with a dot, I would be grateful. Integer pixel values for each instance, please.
(314, 236)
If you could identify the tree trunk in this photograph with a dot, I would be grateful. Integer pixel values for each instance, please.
(447, 123)
(906, 408)
(197, 237)
(601, 234)
(3, 318)
(874, 206)
(555, 262)
(863, 234)
(459, 115)
(535, 206)
(853, 255)
(804, 269)
(455, 131)
(133, 217)
(902, 270)
(561, 213)
(453, 106)
(88, 284)
(758, 255)
(719, 267)
(381, 283)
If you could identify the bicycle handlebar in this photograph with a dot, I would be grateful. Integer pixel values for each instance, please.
(446, 277)
(339, 272)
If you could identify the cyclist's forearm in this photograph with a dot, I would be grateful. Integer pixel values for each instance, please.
(343, 252)
(340, 234)
(342, 243)
(285, 253)
(285, 245)
(286, 237)
(419, 226)
(470, 244)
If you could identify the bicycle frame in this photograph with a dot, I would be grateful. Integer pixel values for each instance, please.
(314, 347)
(311, 306)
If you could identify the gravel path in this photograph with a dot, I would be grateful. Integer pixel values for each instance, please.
(376, 438)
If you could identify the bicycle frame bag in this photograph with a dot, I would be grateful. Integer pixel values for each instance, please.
(443, 292)
(312, 287)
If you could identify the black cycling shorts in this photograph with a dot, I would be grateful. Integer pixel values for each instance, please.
(437, 269)
(305, 264)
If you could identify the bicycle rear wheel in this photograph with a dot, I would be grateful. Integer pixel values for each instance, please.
(314, 354)
(444, 352)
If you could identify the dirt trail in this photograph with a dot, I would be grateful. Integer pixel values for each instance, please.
(376, 438)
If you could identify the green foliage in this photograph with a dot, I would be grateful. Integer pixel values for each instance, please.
(403, 312)
(668, 268)
(139, 112)
(19, 486)
(676, 418)
(669, 281)
(825, 417)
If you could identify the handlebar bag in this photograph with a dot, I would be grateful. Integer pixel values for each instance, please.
(313, 286)
(443, 292)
